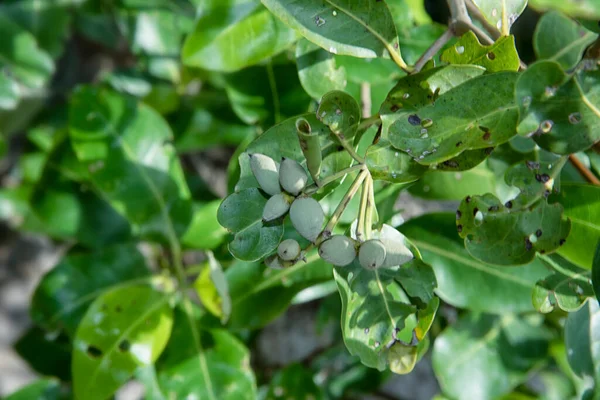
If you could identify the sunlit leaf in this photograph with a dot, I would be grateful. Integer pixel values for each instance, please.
(501, 13)
(500, 56)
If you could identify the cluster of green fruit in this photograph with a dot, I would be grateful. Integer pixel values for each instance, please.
(285, 183)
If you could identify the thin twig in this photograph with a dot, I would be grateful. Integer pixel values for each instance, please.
(477, 15)
(583, 170)
(348, 147)
(432, 50)
(332, 178)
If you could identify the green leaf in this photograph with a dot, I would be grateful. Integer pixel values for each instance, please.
(294, 381)
(21, 57)
(388, 164)
(561, 39)
(459, 121)
(589, 9)
(44, 389)
(500, 351)
(64, 293)
(364, 29)
(123, 329)
(596, 272)
(47, 354)
(318, 70)
(501, 13)
(568, 287)
(464, 281)
(123, 144)
(266, 94)
(340, 112)
(560, 112)
(213, 290)
(233, 35)
(445, 185)
(500, 56)
(204, 231)
(498, 234)
(581, 340)
(241, 212)
(209, 364)
(582, 206)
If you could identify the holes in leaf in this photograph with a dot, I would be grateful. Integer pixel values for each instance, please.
(491, 56)
(414, 119)
(94, 352)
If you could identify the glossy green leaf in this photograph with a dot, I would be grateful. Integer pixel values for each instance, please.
(266, 94)
(389, 164)
(561, 39)
(596, 271)
(64, 293)
(215, 44)
(581, 340)
(29, 65)
(576, 8)
(204, 231)
(340, 112)
(445, 185)
(318, 70)
(500, 56)
(499, 351)
(294, 381)
(582, 206)
(560, 112)
(459, 121)
(123, 145)
(43, 389)
(122, 330)
(497, 234)
(242, 213)
(213, 290)
(534, 179)
(464, 281)
(208, 364)
(361, 29)
(501, 13)
(568, 287)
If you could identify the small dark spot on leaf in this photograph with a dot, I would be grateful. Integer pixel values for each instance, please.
(538, 233)
(561, 242)
(484, 128)
(532, 164)
(340, 148)
(491, 55)
(528, 244)
(450, 164)
(545, 178)
(489, 150)
(458, 214)
(487, 136)
(458, 144)
(493, 208)
(542, 251)
(508, 204)
(395, 44)
(118, 309)
(394, 108)
(546, 193)
(94, 352)
(459, 228)
(124, 345)
(475, 210)
(414, 119)
(468, 199)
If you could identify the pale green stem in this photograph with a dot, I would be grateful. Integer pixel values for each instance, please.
(332, 178)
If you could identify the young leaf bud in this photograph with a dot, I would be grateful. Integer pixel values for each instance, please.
(266, 172)
(307, 217)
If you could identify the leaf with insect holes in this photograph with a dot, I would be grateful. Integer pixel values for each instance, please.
(340, 112)
(560, 112)
(588, 9)
(501, 13)
(568, 287)
(242, 213)
(459, 120)
(500, 234)
(500, 56)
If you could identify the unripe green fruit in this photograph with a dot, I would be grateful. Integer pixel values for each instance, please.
(307, 217)
(371, 254)
(339, 250)
(292, 176)
(274, 262)
(276, 206)
(266, 172)
(396, 253)
(288, 250)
